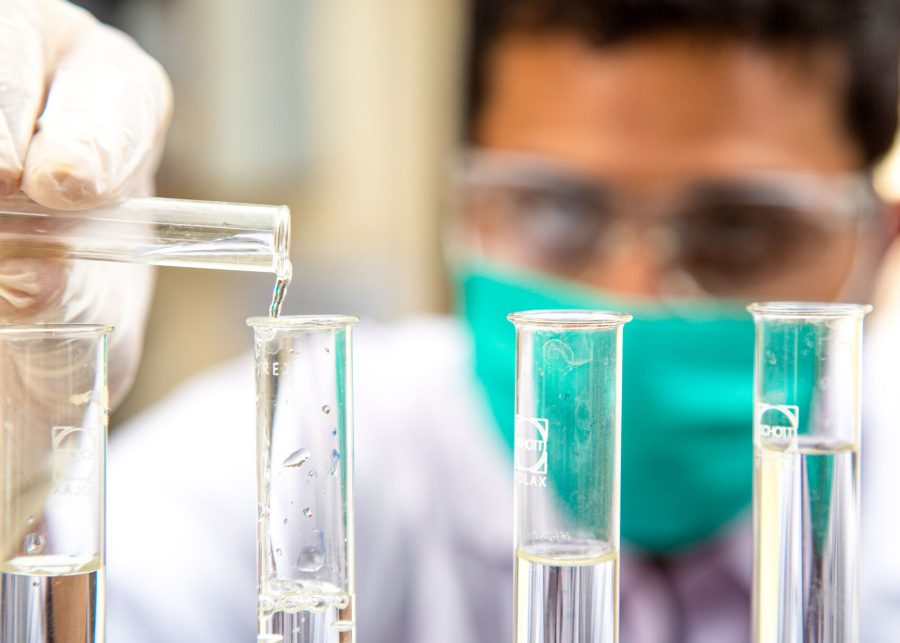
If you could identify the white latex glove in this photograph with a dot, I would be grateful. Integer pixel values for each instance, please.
(83, 116)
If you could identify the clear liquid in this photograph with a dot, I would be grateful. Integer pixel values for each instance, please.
(305, 612)
(281, 285)
(52, 599)
(806, 558)
(567, 595)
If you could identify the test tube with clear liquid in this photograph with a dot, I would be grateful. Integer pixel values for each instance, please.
(53, 418)
(567, 453)
(806, 435)
(304, 479)
(157, 231)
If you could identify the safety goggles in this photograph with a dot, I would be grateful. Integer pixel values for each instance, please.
(736, 235)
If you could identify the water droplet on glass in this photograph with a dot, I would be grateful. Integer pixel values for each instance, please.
(317, 531)
(296, 459)
(307, 512)
(327, 350)
(34, 544)
(278, 551)
(326, 409)
(262, 512)
(335, 460)
(311, 559)
(284, 522)
(334, 431)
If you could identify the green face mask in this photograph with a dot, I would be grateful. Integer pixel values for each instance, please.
(687, 399)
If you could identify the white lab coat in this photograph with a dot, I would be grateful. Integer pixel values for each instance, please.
(433, 515)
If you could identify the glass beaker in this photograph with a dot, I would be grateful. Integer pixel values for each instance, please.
(53, 420)
(806, 436)
(304, 478)
(567, 452)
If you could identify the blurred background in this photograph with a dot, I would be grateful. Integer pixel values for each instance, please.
(347, 112)
(343, 111)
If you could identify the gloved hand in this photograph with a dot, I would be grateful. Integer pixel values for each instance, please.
(83, 116)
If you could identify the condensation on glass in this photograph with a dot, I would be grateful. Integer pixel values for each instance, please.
(806, 436)
(53, 423)
(567, 432)
(305, 478)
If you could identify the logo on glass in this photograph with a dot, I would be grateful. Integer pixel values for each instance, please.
(532, 435)
(777, 423)
(75, 459)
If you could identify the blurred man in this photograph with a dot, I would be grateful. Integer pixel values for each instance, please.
(675, 159)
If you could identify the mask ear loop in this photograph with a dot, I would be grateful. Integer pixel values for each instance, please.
(873, 236)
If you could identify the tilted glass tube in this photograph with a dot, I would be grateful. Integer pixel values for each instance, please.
(305, 478)
(567, 430)
(806, 436)
(163, 232)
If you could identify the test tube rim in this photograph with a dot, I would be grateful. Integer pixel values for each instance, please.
(289, 322)
(569, 319)
(65, 330)
(807, 309)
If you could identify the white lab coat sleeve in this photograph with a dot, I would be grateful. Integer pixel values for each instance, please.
(181, 505)
(880, 487)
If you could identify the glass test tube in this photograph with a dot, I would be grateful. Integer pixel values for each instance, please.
(567, 431)
(806, 434)
(304, 478)
(162, 232)
(53, 419)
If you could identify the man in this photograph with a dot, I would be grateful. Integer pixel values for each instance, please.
(676, 159)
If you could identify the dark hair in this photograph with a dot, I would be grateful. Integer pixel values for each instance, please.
(867, 30)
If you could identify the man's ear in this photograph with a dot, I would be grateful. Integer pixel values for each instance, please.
(894, 219)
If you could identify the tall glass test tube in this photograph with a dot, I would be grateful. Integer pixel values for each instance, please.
(53, 414)
(567, 429)
(806, 435)
(305, 479)
(157, 231)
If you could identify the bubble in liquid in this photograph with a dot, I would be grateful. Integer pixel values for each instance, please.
(334, 431)
(311, 559)
(284, 522)
(34, 544)
(307, 512)
(770, 357)
(297, 459)
(317, 531)
(278, 551)
(327, 350)
(326, 409)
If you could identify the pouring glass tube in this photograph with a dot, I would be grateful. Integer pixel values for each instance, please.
(53, 415)
(806, 435)
(567, 431)
(304, 478)
(157, 231)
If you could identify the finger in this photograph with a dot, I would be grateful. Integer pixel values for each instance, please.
(29, 286)
(106, 114)
(22, 70)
